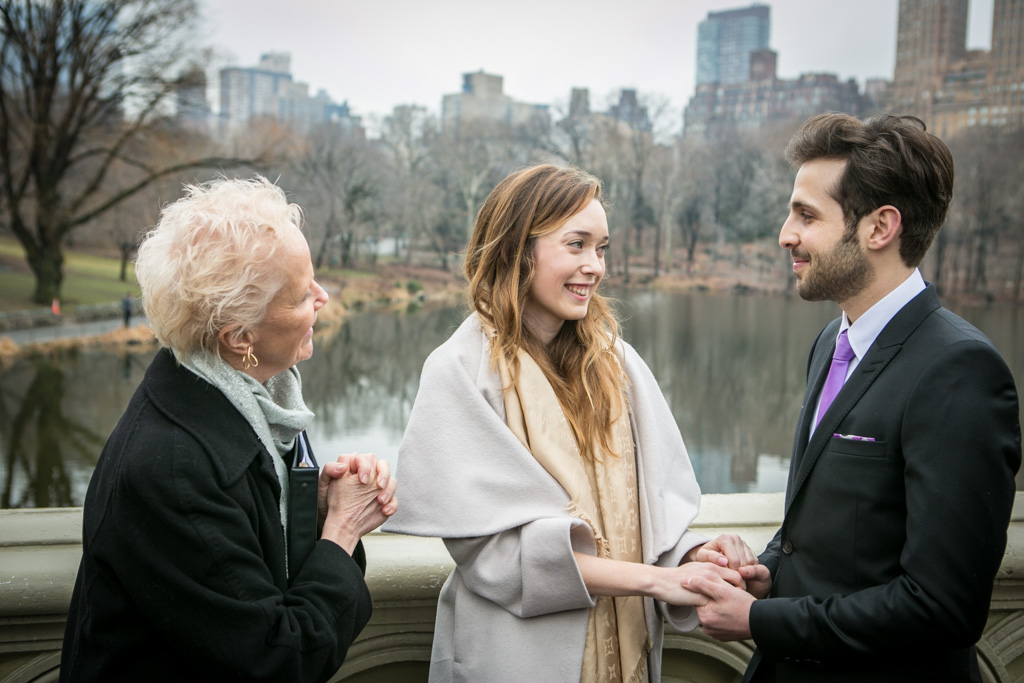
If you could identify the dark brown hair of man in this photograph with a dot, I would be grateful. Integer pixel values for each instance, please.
(890, 160)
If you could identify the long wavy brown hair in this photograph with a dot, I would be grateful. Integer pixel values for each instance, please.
(579, 362)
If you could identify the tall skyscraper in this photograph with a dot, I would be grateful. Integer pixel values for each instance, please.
(725, 41)
(949, 87)
(252, 92)
(1006, 67)
(738, 88)
(931, 39)
(630, 111)
(579, 102)
(268, 91)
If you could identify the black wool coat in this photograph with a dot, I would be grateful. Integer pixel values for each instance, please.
(183, 568)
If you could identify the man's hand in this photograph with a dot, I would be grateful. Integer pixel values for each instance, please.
(758, 578)
(726, 615)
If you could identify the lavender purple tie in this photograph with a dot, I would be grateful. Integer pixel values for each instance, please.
(836, 373)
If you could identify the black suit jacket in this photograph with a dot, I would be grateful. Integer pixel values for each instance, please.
(884, 565)
(183, 565)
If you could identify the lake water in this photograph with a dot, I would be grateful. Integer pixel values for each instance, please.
(732, 368)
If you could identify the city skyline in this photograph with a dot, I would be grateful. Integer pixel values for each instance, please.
(364, 54)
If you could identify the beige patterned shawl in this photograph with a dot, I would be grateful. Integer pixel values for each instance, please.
(603, 493)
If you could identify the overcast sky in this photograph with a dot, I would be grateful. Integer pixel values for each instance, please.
(379, 53)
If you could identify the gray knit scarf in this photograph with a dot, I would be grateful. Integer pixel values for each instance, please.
(275, 409)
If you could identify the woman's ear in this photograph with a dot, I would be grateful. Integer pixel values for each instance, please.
(234, 342)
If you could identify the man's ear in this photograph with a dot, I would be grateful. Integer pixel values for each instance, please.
(886, 226)
(233, 341)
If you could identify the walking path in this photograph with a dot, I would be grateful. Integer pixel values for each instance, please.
(68, 330)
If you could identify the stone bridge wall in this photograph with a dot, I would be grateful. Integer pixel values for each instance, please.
(40, 551)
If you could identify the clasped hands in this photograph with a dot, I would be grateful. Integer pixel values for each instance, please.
(355, 495)
(728, 583)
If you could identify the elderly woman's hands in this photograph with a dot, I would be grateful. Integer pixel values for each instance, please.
(357, 494)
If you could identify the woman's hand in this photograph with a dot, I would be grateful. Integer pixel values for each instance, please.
(672, 581)
(364, 465)
(359, 496)
(729, 550)
(615, 577)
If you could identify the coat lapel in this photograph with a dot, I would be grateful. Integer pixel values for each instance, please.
(881, 353)
(193, 403)
(817, 371)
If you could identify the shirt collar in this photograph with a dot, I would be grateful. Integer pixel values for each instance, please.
(865, 330)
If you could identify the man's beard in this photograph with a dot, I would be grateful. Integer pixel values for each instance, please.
(838, 274)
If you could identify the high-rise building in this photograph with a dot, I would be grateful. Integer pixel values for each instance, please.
(725, 41)
(252, 92)
(579, 102)
(1006, 65)
(931, 39)
(949, 87)
(630, 111)
(192, 110)
(482, 99)
(738, 89)
(268, 91)
(717, 111)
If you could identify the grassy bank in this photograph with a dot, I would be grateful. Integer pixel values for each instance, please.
(94, 279)
(88, 279)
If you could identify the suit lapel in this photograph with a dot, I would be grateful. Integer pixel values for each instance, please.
(817, 371)
(867, 372)
(881, 353)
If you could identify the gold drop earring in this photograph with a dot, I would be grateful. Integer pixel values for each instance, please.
(249, 360)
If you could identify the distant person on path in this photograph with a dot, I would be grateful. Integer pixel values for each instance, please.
(127, 304)
(541, 449)
(185, 575)
(902, 478)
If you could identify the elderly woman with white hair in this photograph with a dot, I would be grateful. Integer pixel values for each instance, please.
(187, 573)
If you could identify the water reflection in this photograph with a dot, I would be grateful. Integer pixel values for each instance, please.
(731, 367)
(55, 414)
(362, 381)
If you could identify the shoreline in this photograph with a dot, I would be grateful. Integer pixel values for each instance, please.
(400, 287)
(371, 293)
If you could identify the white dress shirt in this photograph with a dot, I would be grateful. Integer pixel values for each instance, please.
(865, 330)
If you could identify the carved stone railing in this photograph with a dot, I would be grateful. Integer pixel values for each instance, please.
(40, 551)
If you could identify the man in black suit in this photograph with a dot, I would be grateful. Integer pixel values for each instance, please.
(900, 491)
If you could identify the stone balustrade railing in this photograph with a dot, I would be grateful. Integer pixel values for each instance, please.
(40, 551)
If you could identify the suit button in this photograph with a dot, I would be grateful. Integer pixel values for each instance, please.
(787, 547)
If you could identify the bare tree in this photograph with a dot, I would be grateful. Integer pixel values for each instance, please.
(471, 159)
(570, 138)
(610, 162)
(338, 181)
(696, 180)
(83, 84)
(409, 135)
(984, 211)
(624, 142)
(667, 194)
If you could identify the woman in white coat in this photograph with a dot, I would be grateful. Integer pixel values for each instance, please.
(541, 450)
